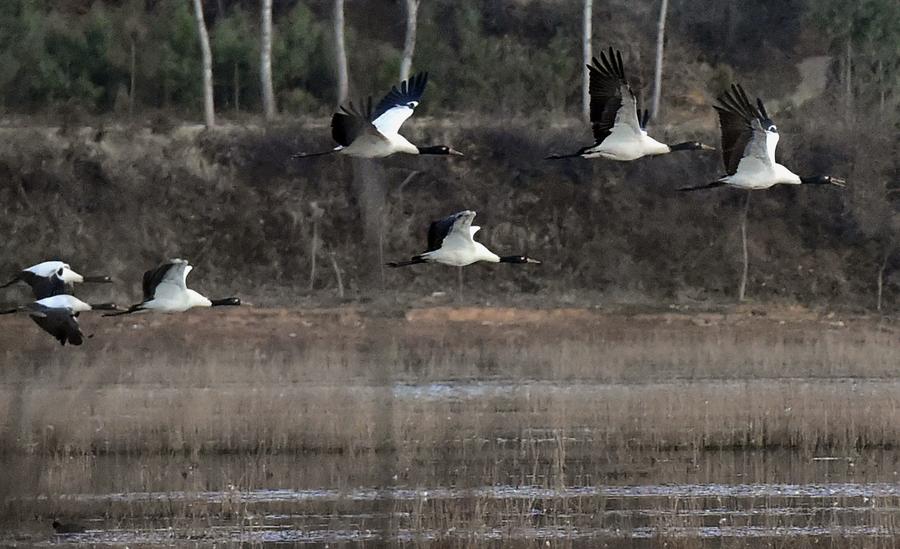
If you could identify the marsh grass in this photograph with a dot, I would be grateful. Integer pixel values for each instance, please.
(273, 399)
(384, 384)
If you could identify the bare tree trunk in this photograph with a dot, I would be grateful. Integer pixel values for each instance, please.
(337, 275)
(343, 78)
(881, 268)
(731, 21)
(133, 83)
(586, 54)
(409, 43)
(237, 87)
(660, 50)
(742, 288)
(313, 251)
(265, 60)
(209, 114)
(848, 77)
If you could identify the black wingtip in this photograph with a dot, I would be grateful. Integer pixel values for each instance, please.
(561, 156)
(762, 108)
(712, 185)
(128, 311)
(296, 156)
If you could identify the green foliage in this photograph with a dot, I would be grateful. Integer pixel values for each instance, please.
(177, 64)
(505, 57)
(872, 30)
(234, 41)
(477, 69)
(301, 70)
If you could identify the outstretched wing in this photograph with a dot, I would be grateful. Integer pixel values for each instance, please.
(60, 323)
(456, 231)
(167, 279)
(749, 136)
(399, 103)
(613, 104)
(438, 230)
(349, 123)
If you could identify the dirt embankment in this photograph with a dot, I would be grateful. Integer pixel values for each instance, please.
(250, 327)
(119, 199)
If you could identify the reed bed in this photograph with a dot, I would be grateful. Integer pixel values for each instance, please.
(453, 428)
(352, 384)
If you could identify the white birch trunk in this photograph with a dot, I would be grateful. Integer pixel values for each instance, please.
(209, 113)
(660, 50)
(409, 43)
(343, 78)
(265, 60)
(587, 54)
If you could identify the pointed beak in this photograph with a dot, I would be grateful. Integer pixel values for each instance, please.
(455, 152)
(530, 260)
(704, 147)
(838, 182)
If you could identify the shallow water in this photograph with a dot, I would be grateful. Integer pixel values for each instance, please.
(399, 514)
(532, 484)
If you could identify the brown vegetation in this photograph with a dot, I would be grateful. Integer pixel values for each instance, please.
(232, 201)
(285, 380)
(179, 421)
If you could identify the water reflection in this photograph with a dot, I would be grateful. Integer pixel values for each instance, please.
(456, 496)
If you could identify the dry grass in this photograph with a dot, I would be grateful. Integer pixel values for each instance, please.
(289, 383)
(273, 399)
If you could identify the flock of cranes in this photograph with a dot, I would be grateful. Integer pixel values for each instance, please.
(748, 141)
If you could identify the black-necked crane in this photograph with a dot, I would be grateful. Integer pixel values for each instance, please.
(44, 278)
(375, 134)
(451, 242)
(749, 138)
(58, 315)
(165, 291)
(619, 126)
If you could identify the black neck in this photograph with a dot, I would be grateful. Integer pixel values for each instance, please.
(104, 306)
(513, 259)
(686, 146)
(436, 149)
(225, 301)
(814, 180)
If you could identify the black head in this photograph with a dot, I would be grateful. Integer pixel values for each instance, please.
(765, 121)
(691, 146)
(439, 149)
(823, 180)
(233, 301)
(56, 524)
(518, 259)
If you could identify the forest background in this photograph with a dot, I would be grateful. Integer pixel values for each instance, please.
(109, 160)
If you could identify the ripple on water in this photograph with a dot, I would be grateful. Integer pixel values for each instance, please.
(832, 490)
